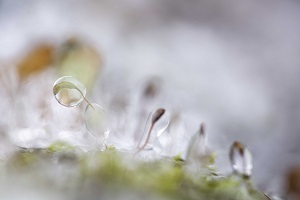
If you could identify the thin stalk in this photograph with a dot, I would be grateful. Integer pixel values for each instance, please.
(147, 140)
(85, 99)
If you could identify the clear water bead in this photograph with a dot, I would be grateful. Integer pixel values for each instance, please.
(241, 159)
(68, 91)
(197, 147)
(198, 154)
(97, 122)
(158, 128)
(169, 143)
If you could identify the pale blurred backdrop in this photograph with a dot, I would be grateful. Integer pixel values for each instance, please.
(234, 65)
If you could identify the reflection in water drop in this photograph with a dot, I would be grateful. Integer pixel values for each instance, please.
(97, 122)
(68, 91)
(241, 159)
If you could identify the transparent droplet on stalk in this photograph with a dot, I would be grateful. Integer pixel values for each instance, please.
(198, 152)
(241, 159)
(162, 145)
(153, 129)
(68, 91)
(169, 143)
(97, 123)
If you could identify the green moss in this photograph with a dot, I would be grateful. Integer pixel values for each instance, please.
(163, 177)
(178, 158)
(117, 172)
(111, 148)
(212, 158)
(60, 146)
(23, 159)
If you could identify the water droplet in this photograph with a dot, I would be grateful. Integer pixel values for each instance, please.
(198, 153)
(68, 91)
(169, 143)
(162, 145)
(196, 147)
(241, 159)
(156, 125)
(97, 122)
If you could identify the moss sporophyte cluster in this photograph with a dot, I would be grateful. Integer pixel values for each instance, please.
(109, 172)
(141, 170)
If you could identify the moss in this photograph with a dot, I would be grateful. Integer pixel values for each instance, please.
(162, 176)
(22, 159)
(60, 146)
(118, 172)
(111, 148)
(178, 158)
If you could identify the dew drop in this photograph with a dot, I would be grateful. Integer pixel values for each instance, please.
(169, 142)
(155, 126)
(197, 147)
(198, 152)
(241, 159)
(68, 91)
(97, 123)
